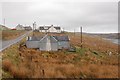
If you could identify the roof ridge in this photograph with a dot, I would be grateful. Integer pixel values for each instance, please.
(44, 37)
(54, 38)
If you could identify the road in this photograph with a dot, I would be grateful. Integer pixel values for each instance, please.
(6, 44)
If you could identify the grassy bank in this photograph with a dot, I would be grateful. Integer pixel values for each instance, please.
(92, 61)
(10, 34)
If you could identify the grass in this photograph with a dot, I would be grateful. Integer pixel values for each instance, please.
(10, 34)
(92, 61)
(80, 50)
(12, 54)
(11, 58)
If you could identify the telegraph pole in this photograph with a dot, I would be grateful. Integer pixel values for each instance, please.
(74, 32)
(81, 36)
(4, 21)
(63, 30)
(34, 24)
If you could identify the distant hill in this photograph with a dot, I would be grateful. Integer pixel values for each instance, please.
(103, 35)
(2, 27)
(108, 35)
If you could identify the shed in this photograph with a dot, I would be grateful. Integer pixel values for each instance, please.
(48, 43)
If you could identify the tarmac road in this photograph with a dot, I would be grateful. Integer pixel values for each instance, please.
(6, 44)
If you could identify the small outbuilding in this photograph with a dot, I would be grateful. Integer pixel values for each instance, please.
(48, 43)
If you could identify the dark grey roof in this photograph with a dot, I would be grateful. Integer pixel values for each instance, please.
(47, 27)
(41, 28)
(28, 27)
(57, 28)
(52, 38)
(61, 38)
(34, 38)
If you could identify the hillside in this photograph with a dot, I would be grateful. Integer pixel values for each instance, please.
(108, 35)
(3, 27)
(10, 34)
(97, 59)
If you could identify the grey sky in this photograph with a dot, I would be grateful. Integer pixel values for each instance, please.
(93, 16)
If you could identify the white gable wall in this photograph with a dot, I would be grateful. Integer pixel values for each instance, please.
(43, 30)
(19, 28)
(52, 29)
(58, 31)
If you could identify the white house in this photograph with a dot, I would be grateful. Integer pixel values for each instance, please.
(52, 29)
(21, 27)
(2, 27)
(27, 28)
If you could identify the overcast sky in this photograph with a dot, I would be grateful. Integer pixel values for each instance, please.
(93, 16)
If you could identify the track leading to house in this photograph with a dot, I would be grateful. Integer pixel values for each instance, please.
(6, 44)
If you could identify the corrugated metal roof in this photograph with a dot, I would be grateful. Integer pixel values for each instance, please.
(56, 38)
(52, 39)
(34, 38)
(61, 38)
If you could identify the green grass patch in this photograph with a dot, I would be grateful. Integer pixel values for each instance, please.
(6, 74)
(12, 54)
(81, 50)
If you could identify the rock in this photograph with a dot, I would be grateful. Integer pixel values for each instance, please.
(110, 53)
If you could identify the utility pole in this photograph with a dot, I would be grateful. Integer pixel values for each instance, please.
(74, 32)
(4, 21)
(34, 27)
(63, 30)
(81, 37)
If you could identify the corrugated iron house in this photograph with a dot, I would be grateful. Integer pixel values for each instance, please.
(48, 43)
(63, 42)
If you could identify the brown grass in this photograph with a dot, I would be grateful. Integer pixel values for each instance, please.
(95, 43)
(7, 64)
(64, 64)
(11, 34)
(18, 72)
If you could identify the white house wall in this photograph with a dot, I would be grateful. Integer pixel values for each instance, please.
(18, 28)
(58, 31)
(43, 30)
(52, 29)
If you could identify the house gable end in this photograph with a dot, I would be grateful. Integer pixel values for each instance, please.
(52, 29)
